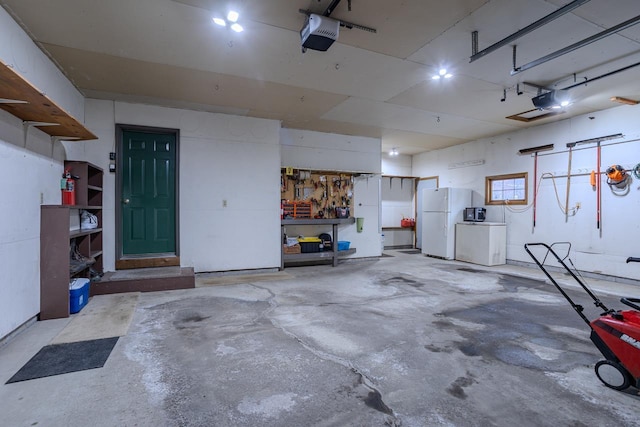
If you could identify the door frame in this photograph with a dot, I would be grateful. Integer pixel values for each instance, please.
(141, 261)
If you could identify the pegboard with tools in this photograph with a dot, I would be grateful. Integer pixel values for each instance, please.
(329, 193)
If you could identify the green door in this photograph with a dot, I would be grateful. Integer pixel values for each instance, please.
(148, 193)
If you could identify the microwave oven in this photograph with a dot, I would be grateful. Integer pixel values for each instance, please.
(474, 214)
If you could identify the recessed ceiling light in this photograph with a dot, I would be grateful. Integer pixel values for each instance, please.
(237, 27)
(443, 71)
(436, 77)
(233, 16)
(220, 22)
(448, 76)
(564, 103)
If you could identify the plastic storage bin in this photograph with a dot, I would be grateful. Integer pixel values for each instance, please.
(78, 294)
(309, 244)
(343, 245)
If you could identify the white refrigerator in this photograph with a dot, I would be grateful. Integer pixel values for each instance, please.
(442, 208)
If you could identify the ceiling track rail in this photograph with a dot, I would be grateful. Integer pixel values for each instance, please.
(623, 26)
(611, 73)
(526, 30)
(343, 23)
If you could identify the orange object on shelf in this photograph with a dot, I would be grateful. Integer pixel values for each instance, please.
(296, 209)
(407, 222)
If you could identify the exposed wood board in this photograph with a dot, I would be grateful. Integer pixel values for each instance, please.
(165, 102)
(482, 99)
(39, 108)
(181, 84)
(357, 81)
(414, 143)
(326, 126)
(404, 27)
(607, 14)
(262, 52)
(391, 116)
(495, 68)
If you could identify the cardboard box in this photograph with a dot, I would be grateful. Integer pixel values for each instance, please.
(293, 249)
(78, 294)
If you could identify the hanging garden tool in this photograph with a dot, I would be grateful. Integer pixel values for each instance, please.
(566, 203)
(535, 151)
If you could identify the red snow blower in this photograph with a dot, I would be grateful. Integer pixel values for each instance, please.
(616, 333)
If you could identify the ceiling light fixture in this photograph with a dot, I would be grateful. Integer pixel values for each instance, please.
(393, 152)
(232, 17)
(442, 74)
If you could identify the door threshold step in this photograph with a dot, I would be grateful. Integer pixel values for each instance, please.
(144, 280)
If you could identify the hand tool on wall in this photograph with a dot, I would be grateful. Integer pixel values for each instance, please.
(535, 151)
(566, 203)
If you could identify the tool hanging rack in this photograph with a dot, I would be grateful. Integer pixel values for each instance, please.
(328, 194)
(572, 147)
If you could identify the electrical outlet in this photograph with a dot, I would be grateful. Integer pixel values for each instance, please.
(224, 203)
(112, 156)
(578, 205)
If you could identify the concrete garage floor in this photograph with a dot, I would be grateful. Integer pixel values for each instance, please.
(399, 341)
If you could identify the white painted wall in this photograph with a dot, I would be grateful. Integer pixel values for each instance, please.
(30, 169)
(397, 200)
(29, 179)
(400, 165)
(592, 252)
(333, 152)
(222, 157)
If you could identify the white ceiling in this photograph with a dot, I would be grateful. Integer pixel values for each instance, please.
(168, 52)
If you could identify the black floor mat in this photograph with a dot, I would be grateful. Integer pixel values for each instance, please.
(59, 359)
(412, 252)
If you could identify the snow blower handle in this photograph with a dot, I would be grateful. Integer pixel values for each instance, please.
(631, 259)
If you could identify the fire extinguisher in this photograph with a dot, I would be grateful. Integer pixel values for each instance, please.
(68, 188)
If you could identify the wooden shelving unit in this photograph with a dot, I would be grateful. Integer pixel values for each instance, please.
(333, 255)
(20, 98)
(56, 238)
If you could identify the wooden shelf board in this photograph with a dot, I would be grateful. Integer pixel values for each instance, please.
(80, 233)
(325, 221)
(39, 108)
(86, 207)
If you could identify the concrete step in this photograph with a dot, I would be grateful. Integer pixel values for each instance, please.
(144, 280)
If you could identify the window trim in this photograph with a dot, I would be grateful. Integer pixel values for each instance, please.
(490, 179)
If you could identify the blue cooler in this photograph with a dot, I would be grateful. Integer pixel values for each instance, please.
(78, 294)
